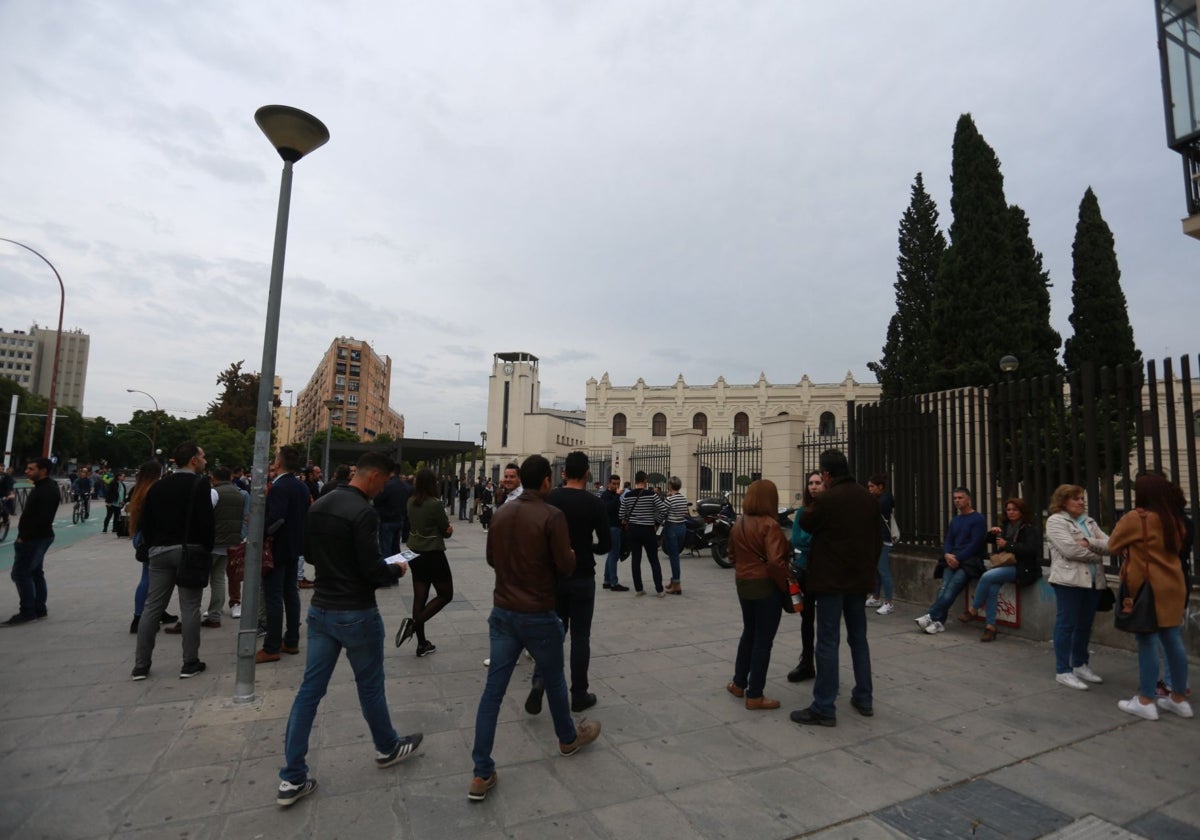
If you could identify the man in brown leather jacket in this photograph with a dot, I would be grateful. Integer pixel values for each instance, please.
(529, 547)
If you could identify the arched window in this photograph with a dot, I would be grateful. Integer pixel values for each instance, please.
(618, 425)
(700, 422)
(741, 423)
(782, 414)
(658, 426)
(828, 424)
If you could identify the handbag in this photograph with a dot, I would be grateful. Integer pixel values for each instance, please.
(1136, 612)
(237, 557)
(1107, 600)
(1002, 558)
(196, 560)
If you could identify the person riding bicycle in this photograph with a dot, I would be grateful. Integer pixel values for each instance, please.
(81, 490)
(8, 496)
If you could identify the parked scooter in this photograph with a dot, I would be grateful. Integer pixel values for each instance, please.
(723, 522)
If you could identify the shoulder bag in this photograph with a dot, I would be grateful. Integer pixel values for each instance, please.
(1135, 612)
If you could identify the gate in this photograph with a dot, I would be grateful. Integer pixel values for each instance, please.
(654, 459)
(728, 465)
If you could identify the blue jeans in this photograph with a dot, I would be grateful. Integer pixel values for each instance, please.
(831, 610)
(1171, 639)
(672, 538)
(281, 596)
(988, 589)
(542, 635)
(360, 632)
(954, 581)
(643, 537)
(389, 537)
(614, 555)
(27, 574)
(143, 589)
(1073, 626)
(575, 604)
(760, 623)
(885, 573)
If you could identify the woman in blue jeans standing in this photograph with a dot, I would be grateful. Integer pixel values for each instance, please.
(1077, 550)
(1020, 538)
(674, 530)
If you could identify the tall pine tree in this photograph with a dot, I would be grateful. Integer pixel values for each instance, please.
(991, 297)
(908, 353)
(1099, 314)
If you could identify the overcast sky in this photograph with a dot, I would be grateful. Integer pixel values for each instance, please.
(646, 188)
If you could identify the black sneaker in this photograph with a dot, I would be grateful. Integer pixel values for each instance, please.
(191, 669)
(17, 620)
(141, 673)
(425, 648)
(808, 717)
(803, 671)
(288, 793)
(533, 703)
(167, 618)
(405, 747)
(617, 587)
(581, 704)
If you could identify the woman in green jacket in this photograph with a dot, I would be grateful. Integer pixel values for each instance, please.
(429, 527)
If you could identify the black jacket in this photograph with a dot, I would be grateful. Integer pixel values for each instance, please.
(341, 541)
(846, 539)
(164, 521)
(287, 500)
(392, 502)
(1027, 546)
(37, 516)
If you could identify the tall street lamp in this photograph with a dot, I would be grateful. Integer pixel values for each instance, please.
(154, 430)
(330, 405)
(288, 391)
(62, 303)
(459, 426)
(294, 134)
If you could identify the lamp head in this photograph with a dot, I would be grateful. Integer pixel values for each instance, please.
(293, 133)
(1009, 364)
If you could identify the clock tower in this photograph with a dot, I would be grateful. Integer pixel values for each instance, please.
(513, 392)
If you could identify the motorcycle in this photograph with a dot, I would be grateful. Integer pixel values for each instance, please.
(722, 523)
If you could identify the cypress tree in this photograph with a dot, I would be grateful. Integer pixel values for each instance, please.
(973, 281)
(908, 353)
(1099, 315)
(1026, 306)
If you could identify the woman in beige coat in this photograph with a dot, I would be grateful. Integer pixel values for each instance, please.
(1077, 549)
(1153, 533)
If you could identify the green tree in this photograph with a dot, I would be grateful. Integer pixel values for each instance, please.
(1032, 339)
(1099, 313)
(31, 420)
(70, 435)
(908, 353)
(237, 405)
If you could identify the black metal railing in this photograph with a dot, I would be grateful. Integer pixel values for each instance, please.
(654, 459)
(728, 465)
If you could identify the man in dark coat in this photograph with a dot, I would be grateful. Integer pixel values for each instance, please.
(35, 532)
(287, 502)
(844, 523)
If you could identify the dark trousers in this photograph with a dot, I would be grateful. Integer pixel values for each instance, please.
(575, 603)
(642, 536)
(807, 621)
(760, 622)
(281, 597)
(27, 574)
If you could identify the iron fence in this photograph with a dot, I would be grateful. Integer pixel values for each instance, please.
(728, 465)
(654, 459)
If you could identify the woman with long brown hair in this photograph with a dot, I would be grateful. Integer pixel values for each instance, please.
(760, 553)
(1018, 537)
(1152, 534)
(147, 474)
(429, 527)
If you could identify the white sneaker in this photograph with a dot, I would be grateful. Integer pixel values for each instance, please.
(923, 621)
(1070, 681)
(1183, 709)
(1087, 674)
(935, 627)
(1137, 708)
(886, 609)
(236, 611)
(487, 662)
(872, 601)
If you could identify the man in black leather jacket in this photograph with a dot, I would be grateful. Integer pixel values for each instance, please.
(341, 540)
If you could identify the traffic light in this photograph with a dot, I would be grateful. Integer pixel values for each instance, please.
(109, 431)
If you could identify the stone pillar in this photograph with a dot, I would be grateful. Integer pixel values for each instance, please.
(683, 458)
(622, 447)
(781, 437)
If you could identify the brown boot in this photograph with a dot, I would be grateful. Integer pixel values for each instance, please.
(989, 635)
(756, 703)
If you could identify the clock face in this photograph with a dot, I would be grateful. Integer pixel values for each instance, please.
(508, 369)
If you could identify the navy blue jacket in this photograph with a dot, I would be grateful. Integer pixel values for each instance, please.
(287, 502)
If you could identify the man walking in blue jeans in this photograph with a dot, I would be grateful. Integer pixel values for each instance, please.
(529, 547)
(612, 504)
(341, 540)
(844, 523)
(35, 533)
(962, 559)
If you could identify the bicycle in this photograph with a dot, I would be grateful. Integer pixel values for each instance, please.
(5, 516)
(79, 512)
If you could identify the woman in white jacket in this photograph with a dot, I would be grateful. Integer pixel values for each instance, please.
(1077, 550)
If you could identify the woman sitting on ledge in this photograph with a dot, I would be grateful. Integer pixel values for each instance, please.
(1020, 539)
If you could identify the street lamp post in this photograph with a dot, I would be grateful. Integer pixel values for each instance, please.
(154, 429)
(459, 426)
(294, 134)
(288, 391)
(330, 405)
(62, 304)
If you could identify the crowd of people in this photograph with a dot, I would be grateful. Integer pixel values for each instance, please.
(371, 525)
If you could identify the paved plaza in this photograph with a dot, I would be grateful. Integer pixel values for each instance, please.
(968, 740)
